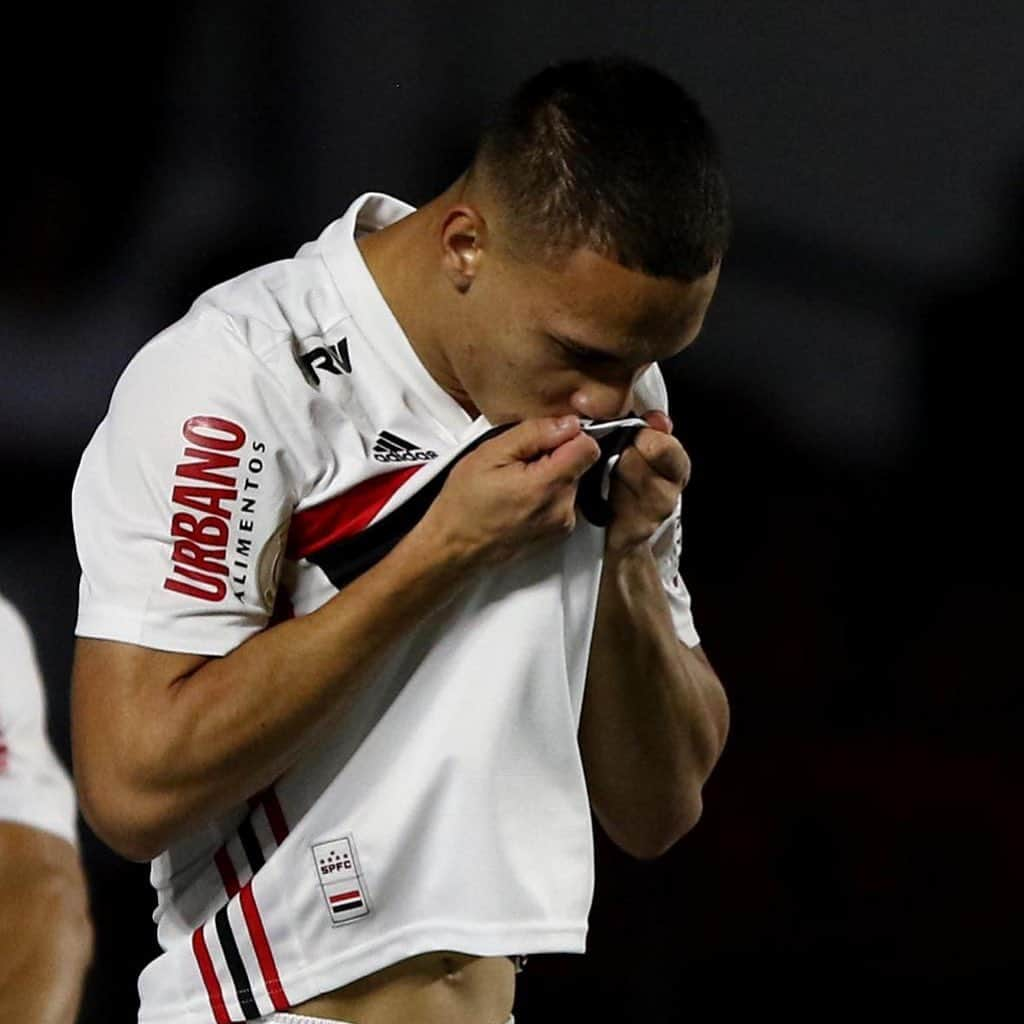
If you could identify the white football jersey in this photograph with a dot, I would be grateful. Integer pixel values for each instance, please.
(34, 786)
(248, 452)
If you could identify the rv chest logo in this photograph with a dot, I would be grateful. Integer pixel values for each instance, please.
(207, 484)
(330, 357)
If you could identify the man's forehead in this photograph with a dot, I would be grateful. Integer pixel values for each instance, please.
(602, 302)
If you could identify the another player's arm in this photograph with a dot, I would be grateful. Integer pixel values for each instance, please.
(46, 936)
(163, 742)
(655, 715)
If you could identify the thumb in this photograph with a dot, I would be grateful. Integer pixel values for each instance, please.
(536, 437)
(659, 420)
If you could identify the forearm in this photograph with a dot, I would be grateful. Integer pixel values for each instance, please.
(229, 728)
(655, 716)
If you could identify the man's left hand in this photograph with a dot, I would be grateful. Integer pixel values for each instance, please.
(646, 484)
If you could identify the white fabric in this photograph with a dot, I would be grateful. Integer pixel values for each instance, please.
(453, 803)
(667, 543)
(34, 786)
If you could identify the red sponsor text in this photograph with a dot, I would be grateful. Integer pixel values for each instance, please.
(205, 489)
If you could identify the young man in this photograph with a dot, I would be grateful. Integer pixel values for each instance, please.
(46, 934)
(342, 711)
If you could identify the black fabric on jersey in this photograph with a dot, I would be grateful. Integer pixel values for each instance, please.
(349, 558)
(588, 494)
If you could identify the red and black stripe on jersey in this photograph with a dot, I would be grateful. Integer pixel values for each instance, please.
(256, 933)
(341, 538)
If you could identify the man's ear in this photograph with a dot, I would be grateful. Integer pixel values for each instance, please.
(463, 236)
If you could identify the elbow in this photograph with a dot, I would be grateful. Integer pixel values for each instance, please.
(124, 820)
(657, 844)
(126, 837)
(133, 845)
(123, 799)
(651, 838)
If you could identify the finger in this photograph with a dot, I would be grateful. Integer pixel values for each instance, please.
(534, 437)
(628, 475)
(655, 494)
(568, 462)
(664, 454)
(659, 420)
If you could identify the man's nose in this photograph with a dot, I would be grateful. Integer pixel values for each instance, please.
(598, 400)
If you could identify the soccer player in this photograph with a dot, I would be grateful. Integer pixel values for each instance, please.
(352, 667)
(45, 931)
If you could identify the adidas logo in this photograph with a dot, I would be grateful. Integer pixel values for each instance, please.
(391, 448)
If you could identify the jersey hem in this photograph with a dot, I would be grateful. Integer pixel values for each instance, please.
(126, 626)
(488, 940)
(32, 818)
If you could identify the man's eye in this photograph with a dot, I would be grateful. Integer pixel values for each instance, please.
(586, 355)
(580, 353)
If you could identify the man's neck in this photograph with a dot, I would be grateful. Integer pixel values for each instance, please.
(398, 258)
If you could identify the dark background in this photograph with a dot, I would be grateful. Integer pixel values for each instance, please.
(850, 411)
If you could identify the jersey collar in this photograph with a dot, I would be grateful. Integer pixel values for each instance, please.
(371, 212)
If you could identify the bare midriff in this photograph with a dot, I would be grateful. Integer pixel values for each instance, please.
(434, 988)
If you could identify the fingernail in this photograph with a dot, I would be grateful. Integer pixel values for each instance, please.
(566, 422)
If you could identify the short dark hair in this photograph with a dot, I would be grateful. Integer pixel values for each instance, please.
(612, 155)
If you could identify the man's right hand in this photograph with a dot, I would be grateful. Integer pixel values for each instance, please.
(512, 492)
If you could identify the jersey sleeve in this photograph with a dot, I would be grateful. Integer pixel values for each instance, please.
(182, 498)
(667, 542)
(667, 546)
(35, 788)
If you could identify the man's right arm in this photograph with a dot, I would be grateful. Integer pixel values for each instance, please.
(166, 741)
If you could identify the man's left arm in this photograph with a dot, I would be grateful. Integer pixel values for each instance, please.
(46, 941)
(655, 715)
